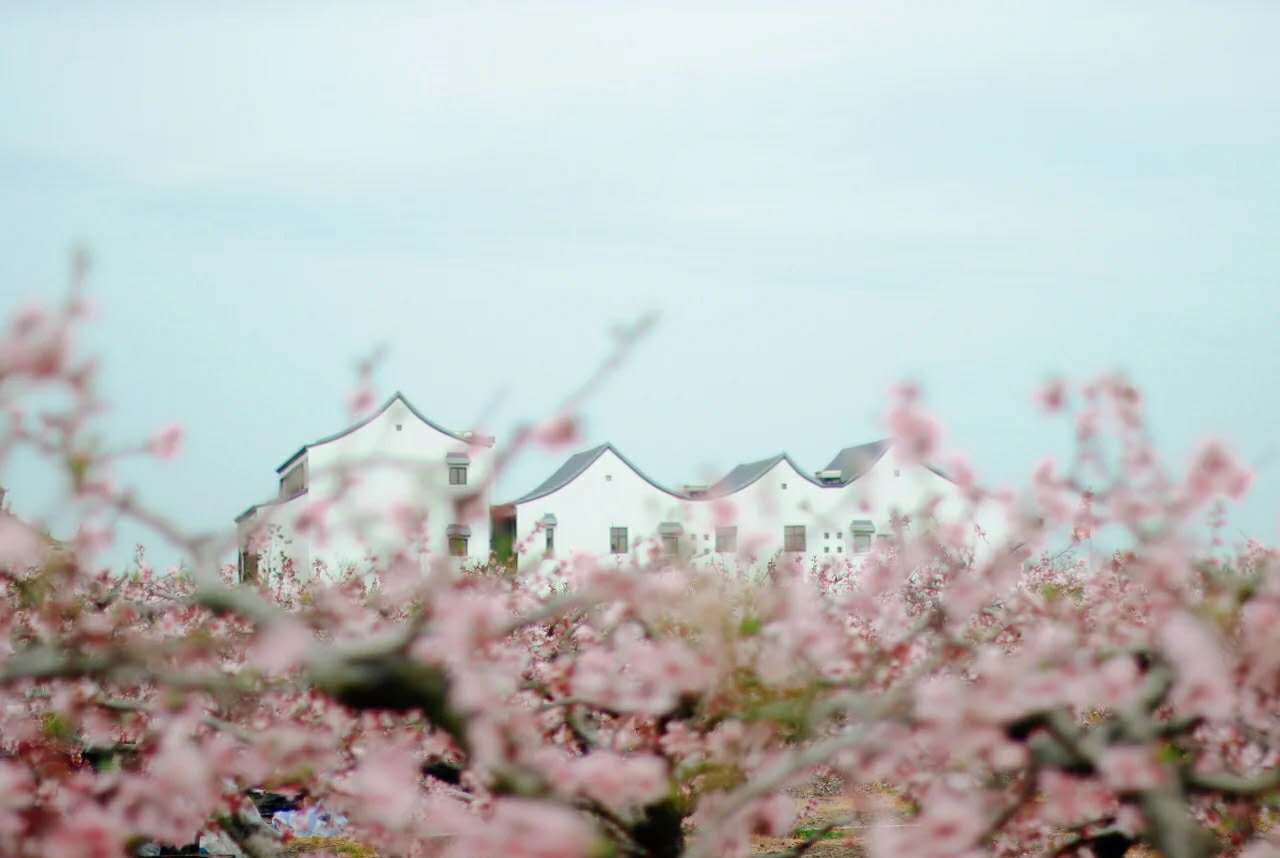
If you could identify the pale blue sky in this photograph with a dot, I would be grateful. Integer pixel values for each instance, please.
(820, 198)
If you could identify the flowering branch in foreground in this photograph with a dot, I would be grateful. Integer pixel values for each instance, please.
(1036, 701)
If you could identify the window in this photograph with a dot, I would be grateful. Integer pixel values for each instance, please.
(459, 536)
(726, 540)
(618, 540)
(793, 537)
(551, 541)
(457, 463)
(294, 481)
(863, 530)
(671, 531)
(248, 566)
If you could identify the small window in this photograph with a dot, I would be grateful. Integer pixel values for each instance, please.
(551, 541)
(671, 544)
(839, 549)
(793, 537)
(459, 536)
(826, 535)
(826, 549)
(618, 540)
(726, 540)
(457, 475)
(248, 566)
(784, 487)
(863, 532)
(294, 481)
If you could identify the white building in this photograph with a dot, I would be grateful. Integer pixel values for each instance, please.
(391, 480)
(598, 503)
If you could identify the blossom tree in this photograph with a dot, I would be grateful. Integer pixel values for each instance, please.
(1042, 696)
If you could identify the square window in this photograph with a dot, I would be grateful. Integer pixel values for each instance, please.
(670, 544)
(618, 540)
(826, 535)
(726, 540)
(458, 546)
(793, 537)
(864, 530)
(457, 475)
(294, 482)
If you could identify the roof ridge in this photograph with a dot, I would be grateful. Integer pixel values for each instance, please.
(365, 421)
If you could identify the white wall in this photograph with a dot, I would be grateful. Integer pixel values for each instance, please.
(608, 494)
(397, 469)
(591, 504)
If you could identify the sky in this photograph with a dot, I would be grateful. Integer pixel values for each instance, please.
(819, 199)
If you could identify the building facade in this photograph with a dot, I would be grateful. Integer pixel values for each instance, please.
(349, 500)
(601, 505)
(396, 479)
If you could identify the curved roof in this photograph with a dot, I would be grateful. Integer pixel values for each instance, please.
(853, 462)
(458, 436)
(746, 474)
(577, 464)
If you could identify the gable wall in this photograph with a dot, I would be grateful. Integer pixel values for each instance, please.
(590, 505)
(396, 472)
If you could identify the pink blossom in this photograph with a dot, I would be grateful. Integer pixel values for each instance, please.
(620, 782)
(914, 433)
(557, 432)
(1203, 686)
(521, 828)
(167, 443)
(36, 344)
(360, 402)
(1071, 800)
(1131, 768)
(386, 781)
(1052, 396)
(950, 822)
(1216, 471)
(89, 831)
(283, 645)
(313, 519)
(17, 792)
(1262, 847)
(21, 547)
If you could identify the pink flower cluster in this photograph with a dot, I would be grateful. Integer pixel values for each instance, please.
(1101, 676)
